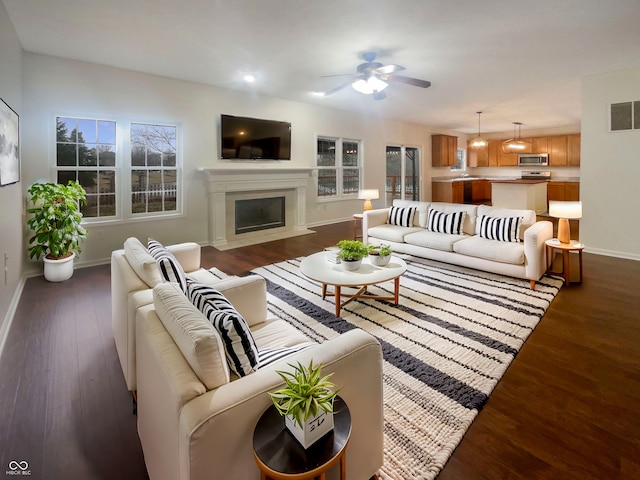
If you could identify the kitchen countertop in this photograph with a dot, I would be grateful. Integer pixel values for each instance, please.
(527, 181)
(499, 179)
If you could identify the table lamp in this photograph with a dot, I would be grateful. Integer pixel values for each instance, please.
(565, 211)
(367, 195)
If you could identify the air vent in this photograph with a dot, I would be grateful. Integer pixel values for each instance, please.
(625, 116)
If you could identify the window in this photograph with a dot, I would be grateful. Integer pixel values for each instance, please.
(146, 183)
(624, 116)
(154, 172)
(403, 173)
(86, 153)
(340, 167)
(461, 164)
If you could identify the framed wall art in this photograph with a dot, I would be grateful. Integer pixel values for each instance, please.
(9, 145)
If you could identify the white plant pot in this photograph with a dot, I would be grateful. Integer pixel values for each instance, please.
(351, 264)
(379, 260)
(314, 429)
(58, 270)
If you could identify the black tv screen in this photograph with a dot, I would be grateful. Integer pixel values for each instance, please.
(245, 138)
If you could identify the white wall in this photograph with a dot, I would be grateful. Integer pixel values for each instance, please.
(11, 243)
(610, 168)
(55, 86)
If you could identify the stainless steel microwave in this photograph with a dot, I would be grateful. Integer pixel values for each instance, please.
(533, 159)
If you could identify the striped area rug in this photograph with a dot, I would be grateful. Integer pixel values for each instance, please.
(445, 346)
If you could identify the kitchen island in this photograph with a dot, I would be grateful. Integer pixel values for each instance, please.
(520, 194)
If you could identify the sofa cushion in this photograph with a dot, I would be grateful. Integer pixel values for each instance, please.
(420, 218)
(268, 356)
(503, 252)
(142, 262)
(437, 241)
(441, 222)
(504, 229)
(391, 233)
(401, 216)
(170, 268)
(197, 340)
(528, 216)
(469, 222)
(240, 347)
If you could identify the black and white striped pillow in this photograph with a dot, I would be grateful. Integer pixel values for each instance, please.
(441, 222)
(169, 266)
(504, 229)
(401, 216)
(240, 347)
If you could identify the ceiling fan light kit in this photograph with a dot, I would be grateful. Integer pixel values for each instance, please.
(369, 86)
(515, 144)
(479, 141)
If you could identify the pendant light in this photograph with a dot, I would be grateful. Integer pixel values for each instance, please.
(515, 144)
(479, 141)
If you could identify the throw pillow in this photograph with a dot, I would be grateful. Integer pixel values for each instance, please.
(441, 222)
(504, 229)
(170, 268)
(401, 216)
(240, 347)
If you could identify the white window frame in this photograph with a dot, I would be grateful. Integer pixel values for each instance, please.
(339, 167)
(403, 174)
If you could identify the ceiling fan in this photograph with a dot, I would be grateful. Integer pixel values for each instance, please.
(371, 78)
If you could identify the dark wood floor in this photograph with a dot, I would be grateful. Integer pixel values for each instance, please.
(568, 406)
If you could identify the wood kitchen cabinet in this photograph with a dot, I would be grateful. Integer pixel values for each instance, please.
(557, 151)
(506, 159)
(480, 190)
(573, 150)
(563, 191)
(444, 149)
(539, 145)
(477, 157)
(563, 150)
(450, 192)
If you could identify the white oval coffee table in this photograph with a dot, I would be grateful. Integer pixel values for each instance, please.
(318, 268)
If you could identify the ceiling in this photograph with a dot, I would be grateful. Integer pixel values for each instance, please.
(515, 60)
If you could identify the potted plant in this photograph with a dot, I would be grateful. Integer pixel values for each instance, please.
(306, 402)
(56, 225)
(379, 255)
(351, 253)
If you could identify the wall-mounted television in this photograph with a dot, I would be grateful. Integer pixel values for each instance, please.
(243, 138)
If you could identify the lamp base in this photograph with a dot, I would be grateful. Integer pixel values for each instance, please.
(367, 205)
(564, 231)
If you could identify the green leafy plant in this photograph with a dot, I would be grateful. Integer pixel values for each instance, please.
(351, 250)
(56, 219)
(381, 250)
(305, 393)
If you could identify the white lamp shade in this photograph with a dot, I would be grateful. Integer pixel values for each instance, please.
(559, 209)
(369, 194)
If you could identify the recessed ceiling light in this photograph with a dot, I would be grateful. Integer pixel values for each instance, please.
(249, 78)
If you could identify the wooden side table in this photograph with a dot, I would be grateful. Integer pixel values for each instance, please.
(280, 457)
(357, 225)
(566, 248)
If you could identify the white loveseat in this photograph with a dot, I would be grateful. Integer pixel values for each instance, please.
(522, 259)
(196, 418)
(134, 273)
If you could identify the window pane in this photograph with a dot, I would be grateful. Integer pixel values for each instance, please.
(66, 155)
(153, 157)
(64, 177)
(327, 182)
(106, 156)
(107, 205)
(139, 181)
(394, 172)
(138, 134)
(107, 181)
(137, 156)
(89, 181)
(90, 209)
(412, 174)
(64, 129)
(326, 153)
(87, 131)
(350, 154)
(87, 156)
(138, 202)
(169, 159)
(107, 132)
(350, 181)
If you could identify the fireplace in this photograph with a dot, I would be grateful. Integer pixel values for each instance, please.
(259, 214)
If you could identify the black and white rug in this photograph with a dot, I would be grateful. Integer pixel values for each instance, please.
(445, 346)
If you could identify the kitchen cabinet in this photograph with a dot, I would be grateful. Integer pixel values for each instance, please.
(492, 152)
(480, 190)
(563, 150)
(573, 150)
(477, 157)
(563, 191)
(539, 145)
(506, 159)
(444, 150)
(449, 192)
(558, 151)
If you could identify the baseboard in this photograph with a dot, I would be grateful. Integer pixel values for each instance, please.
(330, 222)
(612, 253)
(8, 319)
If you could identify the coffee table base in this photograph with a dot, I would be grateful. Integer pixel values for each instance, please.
(361, 293)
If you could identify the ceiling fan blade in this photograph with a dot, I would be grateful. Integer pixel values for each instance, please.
(338, 88)
(337, 75)
(379, 95)
(387, 69)
(408, 81)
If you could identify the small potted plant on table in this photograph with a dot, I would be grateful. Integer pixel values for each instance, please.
(351, 253)
(306, 402)
(379, 255)
(56, 225)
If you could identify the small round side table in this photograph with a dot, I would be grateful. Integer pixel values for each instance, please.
(357, 225)
(280, 457)
(566, 249)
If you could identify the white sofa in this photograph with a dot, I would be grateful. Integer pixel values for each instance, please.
(524, 259)
(189, 430)
(134, 273)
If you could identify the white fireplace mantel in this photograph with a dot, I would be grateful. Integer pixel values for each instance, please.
(222, 181)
